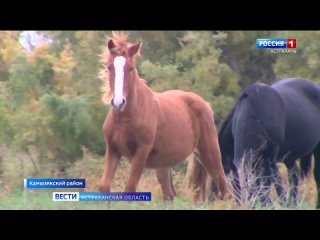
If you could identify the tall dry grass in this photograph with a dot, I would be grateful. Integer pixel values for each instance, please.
(250, 175)
(17, 166)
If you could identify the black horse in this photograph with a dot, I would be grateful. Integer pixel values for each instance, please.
(280, 122)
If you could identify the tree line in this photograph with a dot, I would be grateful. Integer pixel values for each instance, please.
(50, 98)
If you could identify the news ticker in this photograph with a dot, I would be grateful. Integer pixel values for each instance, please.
(101, 196)
(30, 183)
(276, 43)
(54, 183)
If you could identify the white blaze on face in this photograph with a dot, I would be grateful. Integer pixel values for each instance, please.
(119, 63)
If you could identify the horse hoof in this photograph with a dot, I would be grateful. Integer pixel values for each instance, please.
(168, 199)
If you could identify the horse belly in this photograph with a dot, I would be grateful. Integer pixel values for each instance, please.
(299, 145)
(302, 134)
(173, 144)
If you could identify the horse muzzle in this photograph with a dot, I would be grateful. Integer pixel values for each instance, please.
(118, 107)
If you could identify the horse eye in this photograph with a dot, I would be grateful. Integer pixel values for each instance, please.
(130, 68)
(110, 67)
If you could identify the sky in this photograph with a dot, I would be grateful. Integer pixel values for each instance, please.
(29, 39)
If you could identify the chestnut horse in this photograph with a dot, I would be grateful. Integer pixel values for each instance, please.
(154, 130)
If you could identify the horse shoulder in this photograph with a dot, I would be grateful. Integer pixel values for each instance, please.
(269, 109)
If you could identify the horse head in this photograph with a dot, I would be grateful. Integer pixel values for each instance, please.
(121, 70)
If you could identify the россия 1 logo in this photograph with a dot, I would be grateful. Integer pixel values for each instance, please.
(278, 45)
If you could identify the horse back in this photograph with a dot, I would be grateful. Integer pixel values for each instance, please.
(304, 91)
(188, 100)
(189, 107)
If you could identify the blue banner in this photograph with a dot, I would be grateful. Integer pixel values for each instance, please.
(54, 183)
(115, 196)
(271, 43)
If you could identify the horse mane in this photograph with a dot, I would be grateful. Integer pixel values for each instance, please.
(230, 114)
(245, 93)
(122, 47)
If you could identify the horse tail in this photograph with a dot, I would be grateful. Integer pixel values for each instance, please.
(196, 177)
(305, 165)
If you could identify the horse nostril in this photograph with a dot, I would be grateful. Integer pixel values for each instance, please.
(117, 107)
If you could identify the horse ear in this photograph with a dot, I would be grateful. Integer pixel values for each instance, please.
(111, 45)
(134, 49)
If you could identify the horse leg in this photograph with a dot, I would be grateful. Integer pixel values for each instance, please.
(213, 193)
(138, 163)
(236, 188)
(270, 174)
(306, 164)
(197, 177)
(265, 193)
(273, 154)
(293, 180)
(266, 180)
(165, 179)
(316, 172)
(110, 166)
(273, 176)
(281, 192)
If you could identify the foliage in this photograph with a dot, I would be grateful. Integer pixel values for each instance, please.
(306, 62)
(196, 68)
(50, 95)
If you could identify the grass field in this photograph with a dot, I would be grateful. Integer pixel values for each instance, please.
(13, 196)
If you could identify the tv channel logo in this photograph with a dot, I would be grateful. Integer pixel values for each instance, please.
(65, 196)
(276, 43)
(101, 196)
(291, 43)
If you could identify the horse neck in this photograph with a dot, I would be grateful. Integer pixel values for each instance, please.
(139, 99)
